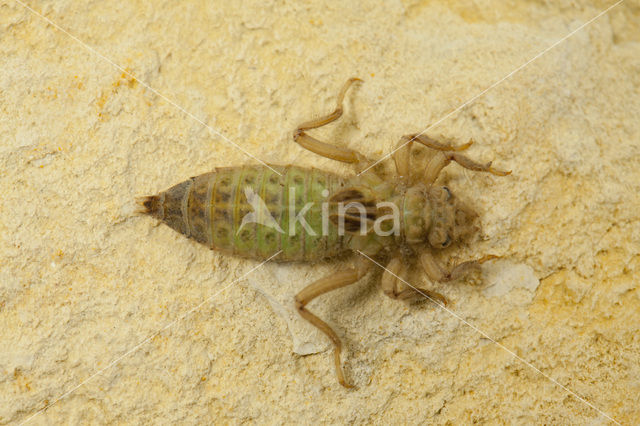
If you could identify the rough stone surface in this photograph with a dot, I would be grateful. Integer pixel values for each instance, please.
(106, 317)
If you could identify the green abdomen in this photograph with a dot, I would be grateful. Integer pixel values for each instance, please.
(251, 211)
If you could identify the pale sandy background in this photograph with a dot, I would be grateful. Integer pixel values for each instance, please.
(83, 281)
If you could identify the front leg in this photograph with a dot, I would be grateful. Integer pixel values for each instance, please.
(446, 154)
(318, 288)
(394, 284)
(402, 159)
(437, 273)
(434, 144)
(402, 153)
(441, 159)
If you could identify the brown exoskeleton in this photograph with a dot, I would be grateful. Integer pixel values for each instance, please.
(215, 209)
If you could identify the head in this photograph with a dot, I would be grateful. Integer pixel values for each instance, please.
(449, 219)
(435, 216)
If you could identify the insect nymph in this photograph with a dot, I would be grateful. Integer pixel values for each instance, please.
(213, 209)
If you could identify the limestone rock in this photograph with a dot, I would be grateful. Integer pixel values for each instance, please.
(106, 317)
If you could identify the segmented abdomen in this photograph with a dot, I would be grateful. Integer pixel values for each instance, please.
(210, 209)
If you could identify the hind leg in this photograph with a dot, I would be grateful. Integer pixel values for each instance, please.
(318, 288)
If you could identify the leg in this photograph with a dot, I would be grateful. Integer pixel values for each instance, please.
(395, 286)
(441, 159)
(446, 155)
(402, 153)
(433, 144)
(333, 152)
(318, 288)
(402, 159)
(436, 273)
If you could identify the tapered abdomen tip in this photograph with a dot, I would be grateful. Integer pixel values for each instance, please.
(151, 205)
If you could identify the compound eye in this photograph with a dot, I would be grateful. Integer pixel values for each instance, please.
(448, 192)
(446, 242)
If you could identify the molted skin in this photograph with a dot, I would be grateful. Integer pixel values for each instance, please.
(258, 212)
